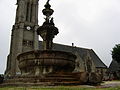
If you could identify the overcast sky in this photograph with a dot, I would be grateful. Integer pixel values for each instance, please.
(93, 24)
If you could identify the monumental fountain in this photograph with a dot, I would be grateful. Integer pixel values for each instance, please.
(47, 66)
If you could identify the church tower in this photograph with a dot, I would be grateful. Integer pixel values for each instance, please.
(24, 36)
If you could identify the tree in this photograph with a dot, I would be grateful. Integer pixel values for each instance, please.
(116, 53)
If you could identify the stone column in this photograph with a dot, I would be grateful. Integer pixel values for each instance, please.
(36, 13)
(36, 41)
(33, 18)
(29, 11)
(21, 10)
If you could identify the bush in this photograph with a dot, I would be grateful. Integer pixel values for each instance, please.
(1, 78)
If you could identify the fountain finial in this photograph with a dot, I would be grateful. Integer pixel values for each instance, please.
(47, 11)
(48, 30)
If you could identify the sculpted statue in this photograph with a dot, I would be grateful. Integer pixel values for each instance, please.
(48, 30)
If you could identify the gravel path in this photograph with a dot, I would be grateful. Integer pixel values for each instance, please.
(105, 84)
(108, 84)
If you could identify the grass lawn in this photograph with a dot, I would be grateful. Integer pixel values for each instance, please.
(59, 88)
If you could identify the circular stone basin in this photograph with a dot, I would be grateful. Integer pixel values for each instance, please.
(42, 62)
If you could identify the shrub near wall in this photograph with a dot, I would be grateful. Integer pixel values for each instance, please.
(1, 78)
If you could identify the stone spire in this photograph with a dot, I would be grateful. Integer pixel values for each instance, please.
(48, 30)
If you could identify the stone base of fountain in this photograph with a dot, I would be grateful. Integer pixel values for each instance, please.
(45, 62)
(53, 79)
(48, 68)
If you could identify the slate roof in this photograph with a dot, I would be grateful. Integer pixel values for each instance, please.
(114, 66)
(81, 51)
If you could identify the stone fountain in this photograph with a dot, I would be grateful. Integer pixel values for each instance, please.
(47, 66)
(42, 63)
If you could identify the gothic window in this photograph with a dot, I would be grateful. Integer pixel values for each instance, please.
(24, 42)
(27, 43)
(30, 43)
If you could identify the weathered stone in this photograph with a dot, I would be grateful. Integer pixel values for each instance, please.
(94, 78)
(43, 62)
(82, 77)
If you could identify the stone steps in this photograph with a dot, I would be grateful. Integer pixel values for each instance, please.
(42, 80)
(42, 84)
(51, 79)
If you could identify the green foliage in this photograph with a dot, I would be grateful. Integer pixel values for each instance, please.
(116, 53)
